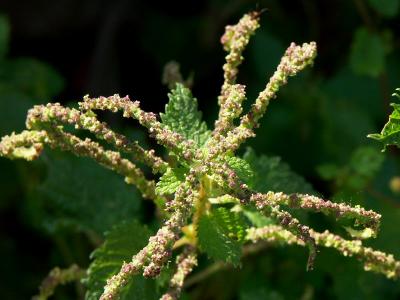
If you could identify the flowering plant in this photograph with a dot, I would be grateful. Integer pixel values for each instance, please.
(211, 200)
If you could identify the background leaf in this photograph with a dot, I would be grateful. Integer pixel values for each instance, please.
(367, 55)
(4, 36)
(387, 8)
(31, 77)
(81, 193)
(271, 174)
(121, 243)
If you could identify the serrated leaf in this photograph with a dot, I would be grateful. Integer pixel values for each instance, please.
(221, 234)
(83, 194)
(182, 116)
(367, 55)
(242, 169)
(271, 174)
(170, 181)
(390, 134)
(387, 8)
(121, 243)
(4, 36)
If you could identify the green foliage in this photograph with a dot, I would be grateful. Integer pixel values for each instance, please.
(256, 218)
(355, 177)
(4, 36)
(221, 234)
(170, 180)
(96, 192)
(14, 106)
(387, 8)
(271, 174)
(31, 77)
(390, 134)
(367, 55)
(242, 169)
(181, 115)
(365, 162)
(120, 242)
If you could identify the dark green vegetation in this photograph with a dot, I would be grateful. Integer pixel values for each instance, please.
(318, 125)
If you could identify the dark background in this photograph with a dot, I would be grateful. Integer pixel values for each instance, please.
(321, 118)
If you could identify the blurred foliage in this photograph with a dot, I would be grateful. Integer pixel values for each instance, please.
(121, 241)
(318, 126)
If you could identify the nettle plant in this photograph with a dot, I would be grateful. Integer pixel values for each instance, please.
(211, 201)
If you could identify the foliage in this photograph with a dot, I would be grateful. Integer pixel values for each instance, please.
(221, 234)
(391, 132)
(181, 116)
(118, 246)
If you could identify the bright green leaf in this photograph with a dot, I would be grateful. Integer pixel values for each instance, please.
(170, 181)
(121, 243)
(256, 218)
(182, 116)
(221, 234)
(242, 169)
(390, 134)
(367, 55)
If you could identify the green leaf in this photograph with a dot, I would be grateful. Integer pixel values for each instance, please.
(31, 77)
(390, 134)
(271, 174)
(328, 171)
(387, 8)
(366, 161)
(182, 116)
(81, 193)
(13, 106)
(170, 181)
(121, 243)
(242, 169)
(221, 234)
(4, 36)
(367, 55)
(260, 293)
(256, 218)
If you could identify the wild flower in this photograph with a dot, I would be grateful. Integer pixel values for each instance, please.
(203, 188)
